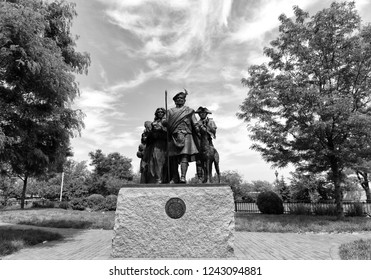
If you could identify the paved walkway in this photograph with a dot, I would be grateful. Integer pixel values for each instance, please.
(96, 245)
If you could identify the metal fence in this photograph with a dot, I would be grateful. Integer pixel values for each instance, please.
(251, 207)
(26, 202)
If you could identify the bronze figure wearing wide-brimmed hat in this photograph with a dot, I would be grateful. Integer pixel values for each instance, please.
(206, 123)
(207, 153)
(203, 110)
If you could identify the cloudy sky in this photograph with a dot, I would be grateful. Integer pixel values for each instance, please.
(140, 48)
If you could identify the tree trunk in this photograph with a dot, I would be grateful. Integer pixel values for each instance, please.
(366, 187)
(23, 197)
(339, 199)
(368, 195)
(364, 183)
(336, 173)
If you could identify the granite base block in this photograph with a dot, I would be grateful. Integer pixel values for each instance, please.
(144, 229)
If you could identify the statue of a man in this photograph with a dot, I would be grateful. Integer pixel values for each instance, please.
(206, 123)
(182, 126)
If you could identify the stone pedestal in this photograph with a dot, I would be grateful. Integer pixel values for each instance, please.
(174, 221)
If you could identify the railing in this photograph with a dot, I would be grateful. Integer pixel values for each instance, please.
(26, 202)
(251, 207)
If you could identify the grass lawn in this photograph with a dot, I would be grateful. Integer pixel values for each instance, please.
(356, 250)
(59, 218)
(12, 240)
(299, 223)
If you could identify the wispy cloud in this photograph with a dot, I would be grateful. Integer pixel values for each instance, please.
(102, 118)
(91, 98)
(152, 45)
(171, 28)
(263, 19)
(182, 41)
(136, 81)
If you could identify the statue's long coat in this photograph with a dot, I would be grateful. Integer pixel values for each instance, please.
(182, 120)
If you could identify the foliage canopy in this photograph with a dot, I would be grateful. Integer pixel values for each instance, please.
(110, 172)
(38, 61)
(310, 105)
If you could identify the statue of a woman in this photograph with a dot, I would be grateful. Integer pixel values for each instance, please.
(154, 141)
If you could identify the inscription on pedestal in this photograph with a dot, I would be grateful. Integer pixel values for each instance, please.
(175, 208)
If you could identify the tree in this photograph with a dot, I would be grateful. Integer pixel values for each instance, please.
(250, 191)
(109, 171)
(46, 188)
(311, 102)
(37, 85)
(76, 179)
(310, 187)
(7, 189)
(261, 186)
(282, 189)
(352, 188)
(233, 179)
(362, 169)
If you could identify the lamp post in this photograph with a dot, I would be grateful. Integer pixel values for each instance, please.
(60, 197)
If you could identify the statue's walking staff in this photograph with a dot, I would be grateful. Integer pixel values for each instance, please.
(167, 138)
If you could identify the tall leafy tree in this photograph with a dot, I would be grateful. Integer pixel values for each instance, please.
(310, 187)
(76, 179)
(261, 186)
(38, 61)
(310, 106)
(281, 188)
(233, 179)
(110, 172)
(7, 189)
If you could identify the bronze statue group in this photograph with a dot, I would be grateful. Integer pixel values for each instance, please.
(175, 138)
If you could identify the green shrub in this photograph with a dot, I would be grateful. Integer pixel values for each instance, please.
(78, 203)
(356, 210)
(36, 204)
(11, 201)
(49, 204)
(270, 203)
(96, 201)
(356, 250)
(325, 210)
(63, 205)
(300, 209)
(110, 202)
(43, 204)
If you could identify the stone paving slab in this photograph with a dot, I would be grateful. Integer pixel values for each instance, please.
(292, 246)
(92, 244)
(96, 245)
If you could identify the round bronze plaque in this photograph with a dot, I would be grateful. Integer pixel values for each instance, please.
(175, 208)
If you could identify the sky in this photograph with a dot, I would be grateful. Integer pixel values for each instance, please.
(140, 48)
